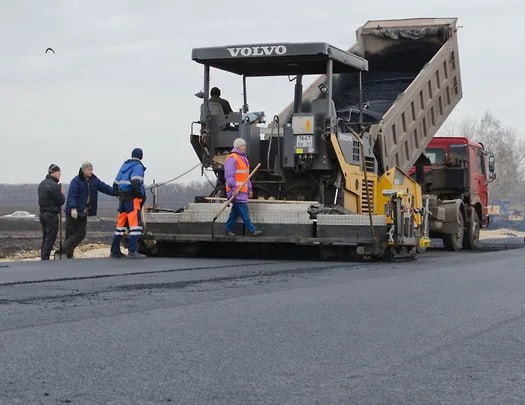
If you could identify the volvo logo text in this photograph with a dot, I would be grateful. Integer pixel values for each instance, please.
(267, 50)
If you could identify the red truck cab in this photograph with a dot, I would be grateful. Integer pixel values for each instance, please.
(456, 174)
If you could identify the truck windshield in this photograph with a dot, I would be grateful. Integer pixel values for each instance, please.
(435, 155)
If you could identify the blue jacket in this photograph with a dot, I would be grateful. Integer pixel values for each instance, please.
(130, 179)
(80, 189)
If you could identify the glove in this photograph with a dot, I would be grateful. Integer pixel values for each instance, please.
(115, 189)
(74, 213)
(136, 189)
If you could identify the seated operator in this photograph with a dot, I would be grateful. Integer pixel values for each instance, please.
(216, 98)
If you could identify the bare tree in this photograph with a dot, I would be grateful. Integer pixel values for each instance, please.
(503, 142)
(467, 126)
(509, 151)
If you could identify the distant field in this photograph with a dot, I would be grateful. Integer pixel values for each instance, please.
(103, 212)
(18, 236)
(24, 197)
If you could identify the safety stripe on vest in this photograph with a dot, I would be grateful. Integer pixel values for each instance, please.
(242, 171)
(123, 182)
(137, 178)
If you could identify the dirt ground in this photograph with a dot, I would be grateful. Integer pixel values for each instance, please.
(87, 251)
(21, 239)
(26, 246)
(501, 234)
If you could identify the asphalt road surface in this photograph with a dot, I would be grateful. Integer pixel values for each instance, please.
(447, 328)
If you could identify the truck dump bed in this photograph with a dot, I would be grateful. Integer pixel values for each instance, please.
(412, 85)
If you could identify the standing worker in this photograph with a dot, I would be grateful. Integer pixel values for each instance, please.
(82, 201)
(236, 171)
(50, 199)
(132, 195)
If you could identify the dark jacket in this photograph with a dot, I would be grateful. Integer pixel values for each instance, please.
(50, 197)
(82, 189)
(224, 104)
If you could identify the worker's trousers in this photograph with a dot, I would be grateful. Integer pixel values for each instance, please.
(75, 233)
(239, 209)
(49, 222)
(128, 220)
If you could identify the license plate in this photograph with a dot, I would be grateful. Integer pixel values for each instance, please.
(305, 141)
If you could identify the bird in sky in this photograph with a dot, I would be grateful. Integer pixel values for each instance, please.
(50, 49)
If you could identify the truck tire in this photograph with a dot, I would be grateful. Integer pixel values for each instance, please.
(471, 237)
(454, 241)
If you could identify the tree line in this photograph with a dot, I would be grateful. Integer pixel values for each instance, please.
(507, 147)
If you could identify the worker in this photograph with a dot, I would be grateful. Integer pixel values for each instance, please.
(82, 202)
(216, 98)
(50, 199)
(236, 171)
(129, 185)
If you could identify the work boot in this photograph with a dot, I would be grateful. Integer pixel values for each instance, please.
(255, 233)
(231, 234)
(118, 255)
(136, 255)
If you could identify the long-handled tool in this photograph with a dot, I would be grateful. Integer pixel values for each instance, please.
(230, 200)
(59, 253)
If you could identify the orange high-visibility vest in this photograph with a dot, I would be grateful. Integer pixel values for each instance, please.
(242, 171)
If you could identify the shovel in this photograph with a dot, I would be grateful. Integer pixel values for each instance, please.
(231, 199)
(59, 253)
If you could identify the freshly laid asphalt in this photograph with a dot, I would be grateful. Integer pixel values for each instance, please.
(446, 328)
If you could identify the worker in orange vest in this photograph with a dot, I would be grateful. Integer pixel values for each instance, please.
(236, 171)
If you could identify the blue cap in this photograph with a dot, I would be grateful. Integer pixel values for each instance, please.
(137, 153)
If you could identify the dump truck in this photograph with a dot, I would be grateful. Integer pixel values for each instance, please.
(334, 164)
(455, 179)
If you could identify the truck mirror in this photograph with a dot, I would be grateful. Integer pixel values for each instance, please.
(492, 164)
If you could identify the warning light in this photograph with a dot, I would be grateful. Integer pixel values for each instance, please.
(308, 125)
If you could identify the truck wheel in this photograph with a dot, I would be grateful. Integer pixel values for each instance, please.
(454, 241)
(471, 237)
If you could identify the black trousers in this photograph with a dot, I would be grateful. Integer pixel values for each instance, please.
(75, 234)
(49, 222)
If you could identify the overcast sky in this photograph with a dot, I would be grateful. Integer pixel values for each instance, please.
(123, 77)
